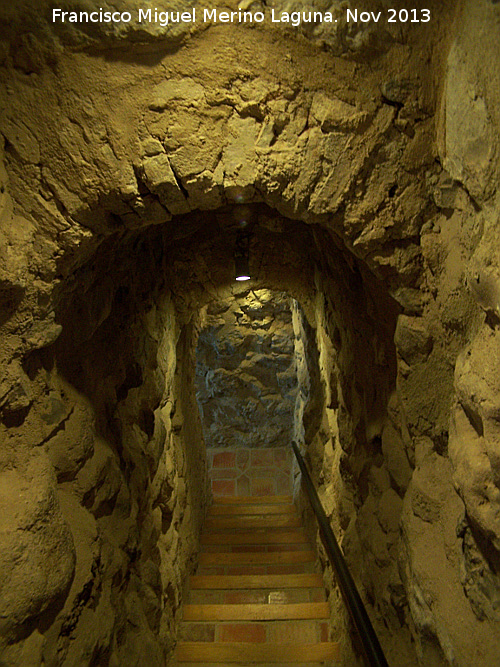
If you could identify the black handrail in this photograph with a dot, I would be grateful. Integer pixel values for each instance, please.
(371, 646)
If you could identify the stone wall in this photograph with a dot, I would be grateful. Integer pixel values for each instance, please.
(246, 371)
(418, 524)
(102, 452)
(370, 161)
(347, 374)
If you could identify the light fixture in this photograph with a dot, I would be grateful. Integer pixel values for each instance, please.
(241, 252)
(242, 272)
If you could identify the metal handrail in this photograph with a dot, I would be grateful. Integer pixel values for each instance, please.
(369, 640)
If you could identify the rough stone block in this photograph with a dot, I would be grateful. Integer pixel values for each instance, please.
(389, 511)
(412, 338)
(396, 460)
(16, 394)
(333, 114)
(37, 556)
(185, 91)
(73, 445)
(160, 179)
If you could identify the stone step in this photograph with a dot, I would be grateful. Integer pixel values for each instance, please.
(282, 653)
(295, 631)
(255, 558)
(255, 612)
(255, 537)
(256, 548)
(323, 663)
(248, 581)
(252, 508)
(287, 568)
(244, 522)
(256, 596)
(242, 500)
(255, 599)
(254, 569)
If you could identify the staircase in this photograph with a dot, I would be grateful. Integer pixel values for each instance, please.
(256, 599)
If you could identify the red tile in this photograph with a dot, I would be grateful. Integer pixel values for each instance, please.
(282, 455)
(262, 457)
(197, 632)
(243, 486)
(200, 596)
(242, 632)
(212, 570)
(287, 547)
(285, 569)
(284, 484)
(242, 458)
(223, 473)
(263, 472)
(245, 597)
(288, 631)
(263, 487)
(289, 596)
(317, 595)
(239, 569)
(224, 460)
(223, 487)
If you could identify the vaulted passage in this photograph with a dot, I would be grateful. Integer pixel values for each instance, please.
(355, 167)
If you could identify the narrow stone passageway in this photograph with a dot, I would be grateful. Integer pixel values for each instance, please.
(348, 170)
(246, 390)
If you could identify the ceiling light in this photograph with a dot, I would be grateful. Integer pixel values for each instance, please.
(241, 252)
(242, 271)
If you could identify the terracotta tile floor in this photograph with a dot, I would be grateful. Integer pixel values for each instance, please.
(250, 472)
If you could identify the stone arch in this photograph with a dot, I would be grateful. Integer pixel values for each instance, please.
(104, 150)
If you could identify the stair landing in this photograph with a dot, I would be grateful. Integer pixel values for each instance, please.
(255, 598)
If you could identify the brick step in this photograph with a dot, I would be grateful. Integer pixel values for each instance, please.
(302, 631)
(252, 508)
(255, 521)
(255, 558)
(255, 537)
(248, 581)
(282, 653)
(255, 568)
(259, 500)
(255, 599)
(256, 596)
(255, 548)
(323, 663)
(255, 612)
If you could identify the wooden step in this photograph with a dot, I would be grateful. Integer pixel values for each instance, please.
(248, 652)
(255, 612)
(243, 522)
(252, 508)
(191, 663)
(255, 537)
(211, 559)
(259, 500)
(242, 534)
(274, 581)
